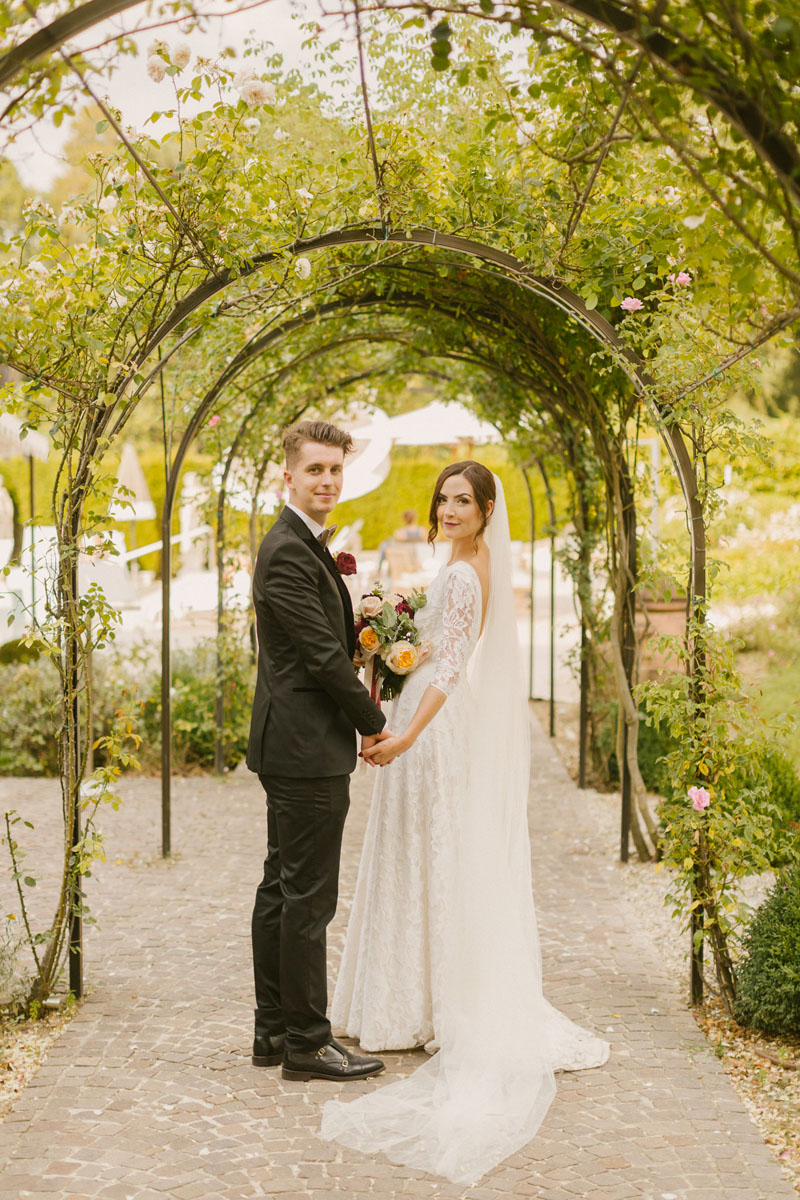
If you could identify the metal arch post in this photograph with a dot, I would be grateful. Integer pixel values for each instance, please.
(166, 675)
(531, 621)
(552, 515)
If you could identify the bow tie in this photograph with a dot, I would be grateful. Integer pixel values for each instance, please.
(326, 535)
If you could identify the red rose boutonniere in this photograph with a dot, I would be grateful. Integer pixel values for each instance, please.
(345, 563)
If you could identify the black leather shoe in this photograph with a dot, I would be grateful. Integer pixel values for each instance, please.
(268, 1051)
(331, 1061)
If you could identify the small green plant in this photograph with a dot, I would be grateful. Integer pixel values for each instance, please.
(768, 973)
(719, 820)
(29, 713)
(193, 707)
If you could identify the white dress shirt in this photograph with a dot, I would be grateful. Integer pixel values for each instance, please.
(313, 525)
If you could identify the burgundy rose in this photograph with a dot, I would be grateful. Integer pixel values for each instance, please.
(404, 609)
(346, 563)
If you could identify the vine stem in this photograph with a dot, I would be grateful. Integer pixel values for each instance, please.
(22, 905)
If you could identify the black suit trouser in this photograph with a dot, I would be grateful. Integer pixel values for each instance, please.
(295, 902)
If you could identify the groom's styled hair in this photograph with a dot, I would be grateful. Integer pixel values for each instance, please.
(321, 432)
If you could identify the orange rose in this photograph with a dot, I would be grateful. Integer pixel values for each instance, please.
(369, 641)
(402, 658)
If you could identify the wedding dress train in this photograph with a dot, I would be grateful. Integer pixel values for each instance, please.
(442, 947)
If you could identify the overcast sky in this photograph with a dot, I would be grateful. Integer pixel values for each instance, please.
(38, 156)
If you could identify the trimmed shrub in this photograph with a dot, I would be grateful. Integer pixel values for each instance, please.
(193, 707)
(29, 711)
(768, 973)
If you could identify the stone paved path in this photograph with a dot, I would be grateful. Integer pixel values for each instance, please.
(150, 1092)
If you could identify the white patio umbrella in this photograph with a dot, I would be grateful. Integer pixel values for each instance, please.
(14, 443)
(138, 504)
(440, 424)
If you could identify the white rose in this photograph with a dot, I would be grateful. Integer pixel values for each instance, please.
(302, 269)
(254, 93)
(304, 195)
(370, 606)
(392, 598)
(281, 135)
(155, 46)
(156, 68)
(252, 124)
(181, 56)
(402, 658)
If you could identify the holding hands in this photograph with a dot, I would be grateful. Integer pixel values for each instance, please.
(379, 749)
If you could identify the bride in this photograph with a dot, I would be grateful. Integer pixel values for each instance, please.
(442, 949)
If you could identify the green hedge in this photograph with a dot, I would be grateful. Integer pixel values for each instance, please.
(768, 973)
(410, 483)
(29, 708)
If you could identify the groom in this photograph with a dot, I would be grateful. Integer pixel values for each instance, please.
(307, 707)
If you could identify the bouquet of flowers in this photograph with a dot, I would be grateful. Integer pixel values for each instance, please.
(388, 639)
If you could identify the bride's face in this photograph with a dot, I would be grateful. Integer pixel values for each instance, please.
(457, 510)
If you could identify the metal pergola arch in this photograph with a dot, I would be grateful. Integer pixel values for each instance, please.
(506, 266)
(555, 293)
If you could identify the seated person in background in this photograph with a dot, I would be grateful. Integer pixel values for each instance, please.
(410, 531)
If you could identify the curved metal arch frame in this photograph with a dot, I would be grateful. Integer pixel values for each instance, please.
(549, 290)
(511, 268)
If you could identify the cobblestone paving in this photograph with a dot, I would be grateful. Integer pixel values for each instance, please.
(150, 1091)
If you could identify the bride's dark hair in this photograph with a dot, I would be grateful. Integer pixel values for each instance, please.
(483, 485)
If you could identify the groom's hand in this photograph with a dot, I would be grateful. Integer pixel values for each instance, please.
(384, 750)
(369, 740)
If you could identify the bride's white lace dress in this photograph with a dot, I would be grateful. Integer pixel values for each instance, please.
(442, 946)
(387, 990)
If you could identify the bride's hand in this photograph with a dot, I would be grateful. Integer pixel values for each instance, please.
(384, 752)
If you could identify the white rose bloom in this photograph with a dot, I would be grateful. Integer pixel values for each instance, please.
(243, 76)
(392, 598)
(252, 124)
(254, 93)
(156, 68)
(304, 195)
(370, 606)
(155, 46)
(181, 56)
(302, 268)
(281, 135)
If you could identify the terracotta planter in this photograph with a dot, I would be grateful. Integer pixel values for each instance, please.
(665, 617)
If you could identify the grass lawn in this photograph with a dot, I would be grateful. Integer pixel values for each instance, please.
(776, 675)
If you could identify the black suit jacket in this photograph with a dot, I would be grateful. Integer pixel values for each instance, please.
(308, 702)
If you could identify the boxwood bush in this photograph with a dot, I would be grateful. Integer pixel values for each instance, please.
(768, 973)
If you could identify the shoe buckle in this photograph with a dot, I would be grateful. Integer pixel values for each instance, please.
(321, 1051)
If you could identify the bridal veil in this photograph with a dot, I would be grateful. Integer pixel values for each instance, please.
(485, 1092)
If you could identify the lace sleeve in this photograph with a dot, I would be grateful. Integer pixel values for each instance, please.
(462, 609)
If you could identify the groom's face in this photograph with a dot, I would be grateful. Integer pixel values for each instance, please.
(315, 479)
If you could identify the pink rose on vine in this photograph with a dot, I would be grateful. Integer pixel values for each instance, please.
(683, 278)
(213, 421)
(631, 304)
(699, 797)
